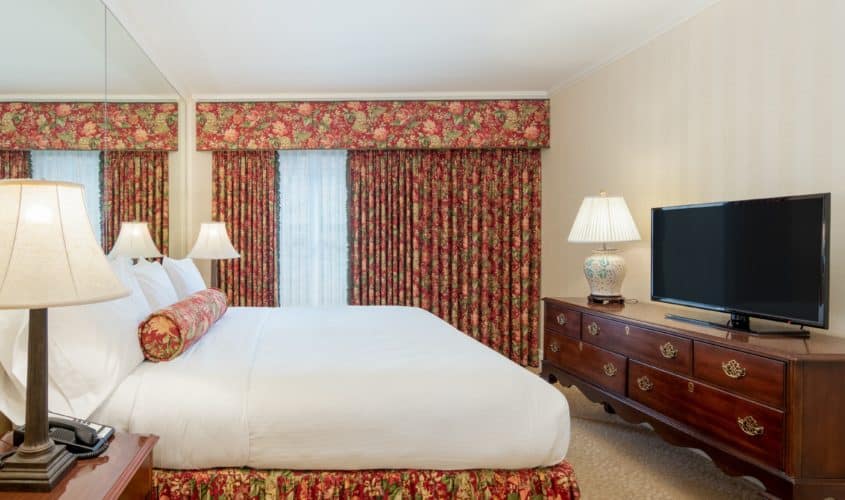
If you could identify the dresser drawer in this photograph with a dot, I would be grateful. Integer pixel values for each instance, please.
(658, 349)
(591, 363)
(560, 320)
(753, 429)
(756, 377)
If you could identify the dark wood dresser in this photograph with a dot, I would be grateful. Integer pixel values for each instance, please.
(768, 407)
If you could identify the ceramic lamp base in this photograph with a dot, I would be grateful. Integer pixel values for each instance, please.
(605, 272)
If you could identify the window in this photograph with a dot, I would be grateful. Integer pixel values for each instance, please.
(81, 167)
(313, 256)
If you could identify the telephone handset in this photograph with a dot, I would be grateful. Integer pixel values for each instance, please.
(82, 438)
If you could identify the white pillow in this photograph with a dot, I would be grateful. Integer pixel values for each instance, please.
(122, 267)
(185, 276)
(13, 331)
(91, 350)
(157, 287)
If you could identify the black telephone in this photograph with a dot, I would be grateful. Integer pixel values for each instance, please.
(82, 438)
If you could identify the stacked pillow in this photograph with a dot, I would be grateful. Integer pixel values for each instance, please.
(92, 348)
(184, 275)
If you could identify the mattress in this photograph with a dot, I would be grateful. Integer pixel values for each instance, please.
(342, 388)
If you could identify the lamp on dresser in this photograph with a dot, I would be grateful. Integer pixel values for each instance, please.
(49, 257)
(135, 242)
(213, 243)
(604, 219)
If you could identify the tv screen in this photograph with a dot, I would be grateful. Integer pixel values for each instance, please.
(765, 258)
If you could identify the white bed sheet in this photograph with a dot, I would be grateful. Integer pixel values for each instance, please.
(341, 388)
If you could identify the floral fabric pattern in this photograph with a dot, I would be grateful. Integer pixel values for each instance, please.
(142, 126)
(244, 196)
(373, 125)
(136, 188)
(455, 232)
(83, 126)
(171, 331)
(15, 165)
(557, 483)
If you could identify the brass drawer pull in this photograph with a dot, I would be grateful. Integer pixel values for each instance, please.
(645, 383)
(668, 350)
(733, 369)
(749, 426)
(609, 369)
(554, 347)
(561, 319)
(593, 328)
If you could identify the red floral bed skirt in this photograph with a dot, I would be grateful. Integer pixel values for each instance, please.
(556, 482)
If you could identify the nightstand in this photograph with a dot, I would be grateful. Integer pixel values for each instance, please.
(124, 471)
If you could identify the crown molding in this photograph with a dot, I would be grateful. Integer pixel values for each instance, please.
(624, 51)
(371, 96)
(87, 98)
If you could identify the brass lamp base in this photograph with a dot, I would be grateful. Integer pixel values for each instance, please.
(39, 472)
(39, 463)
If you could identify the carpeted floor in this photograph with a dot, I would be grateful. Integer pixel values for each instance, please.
(617, 460)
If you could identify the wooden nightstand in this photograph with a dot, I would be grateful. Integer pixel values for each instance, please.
(124, 471)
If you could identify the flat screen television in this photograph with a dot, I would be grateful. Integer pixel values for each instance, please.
(765, 258)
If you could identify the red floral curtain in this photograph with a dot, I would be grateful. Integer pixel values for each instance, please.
(455, 232)
(244, 195)
(15, 165)
(135, 188)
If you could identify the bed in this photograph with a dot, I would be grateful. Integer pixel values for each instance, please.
(345, 402)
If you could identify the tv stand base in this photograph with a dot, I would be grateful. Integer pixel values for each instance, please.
(737, 326)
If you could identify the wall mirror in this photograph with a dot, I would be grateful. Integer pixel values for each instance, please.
(80, 101)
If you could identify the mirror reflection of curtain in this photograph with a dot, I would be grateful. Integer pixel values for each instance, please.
(313, 246)
(136, 189)
(14, 164)
(80, 167)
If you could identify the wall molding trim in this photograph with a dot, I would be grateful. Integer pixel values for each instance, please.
(372, 96)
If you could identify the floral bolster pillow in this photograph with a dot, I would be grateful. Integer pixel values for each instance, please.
(169, 332)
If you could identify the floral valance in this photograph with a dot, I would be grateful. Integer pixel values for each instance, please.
(83, 125)
(373, 125)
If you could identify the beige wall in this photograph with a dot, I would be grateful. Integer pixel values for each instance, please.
(747, 99)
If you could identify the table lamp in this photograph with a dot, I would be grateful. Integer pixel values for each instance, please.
(213, 243)
(49, 257)
(134, 241)
(604, 219)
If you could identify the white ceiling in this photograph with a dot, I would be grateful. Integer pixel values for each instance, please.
(55, 50)
(255, 48)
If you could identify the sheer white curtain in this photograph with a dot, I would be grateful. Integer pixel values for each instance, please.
(81, 167)
(313, 256)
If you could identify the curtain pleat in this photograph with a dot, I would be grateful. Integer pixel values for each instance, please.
(15, 165)
(135, 188)
(455, 232)
(244, 188)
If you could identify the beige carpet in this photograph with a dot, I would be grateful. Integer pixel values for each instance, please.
(617, 460)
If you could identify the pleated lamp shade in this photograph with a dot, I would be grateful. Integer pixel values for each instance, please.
(48, 253)
(134, 241)
(603, 219)
(213, 243)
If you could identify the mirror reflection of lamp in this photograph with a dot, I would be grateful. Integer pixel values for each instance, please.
(49, 257)
(213, 244)
(134, 241)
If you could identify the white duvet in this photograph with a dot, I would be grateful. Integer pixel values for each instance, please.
(341, 388)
